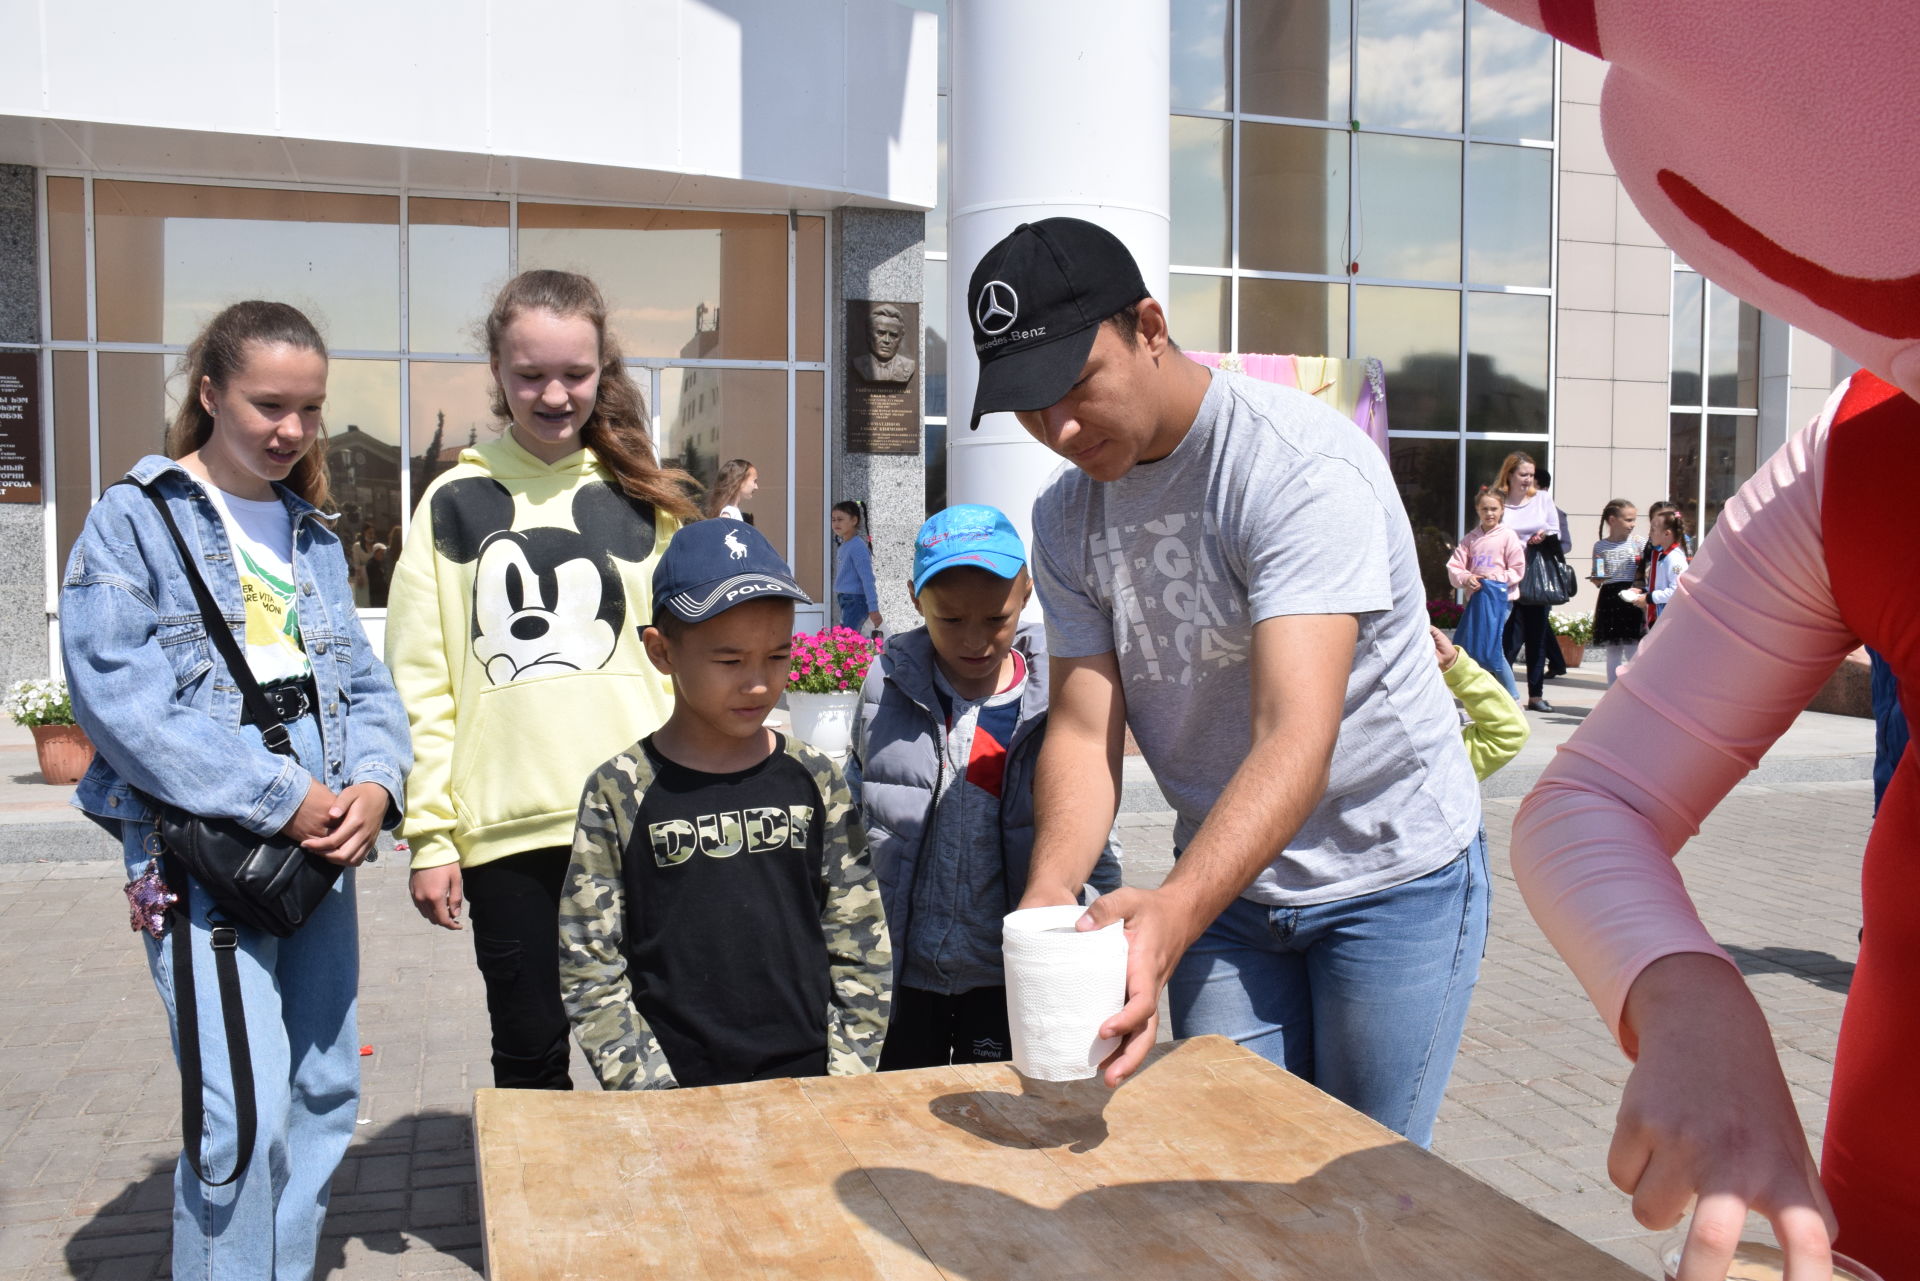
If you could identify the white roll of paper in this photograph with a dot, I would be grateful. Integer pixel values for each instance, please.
(1062, 984)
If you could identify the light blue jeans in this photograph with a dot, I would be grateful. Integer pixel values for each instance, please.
(300, 995)
(1365, 998)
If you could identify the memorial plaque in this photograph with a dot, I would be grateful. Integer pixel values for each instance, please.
(19, 427)
(883, 377)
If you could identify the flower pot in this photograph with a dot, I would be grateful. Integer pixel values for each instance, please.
(824, 721)
(65, 752)
(1571, 650)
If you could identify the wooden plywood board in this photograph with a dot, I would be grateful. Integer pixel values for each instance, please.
(1210, 1163)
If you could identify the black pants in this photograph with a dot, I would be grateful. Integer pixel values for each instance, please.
(1528, 624)
(929, 1029)
(513, 907)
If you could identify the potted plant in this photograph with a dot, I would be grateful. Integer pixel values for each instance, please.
(45, 707)
(1574, 632)
(1445, 614)
(823, 685)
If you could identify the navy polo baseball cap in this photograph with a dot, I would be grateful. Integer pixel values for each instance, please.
(712, 565)
(969, 534)
(1036, 302)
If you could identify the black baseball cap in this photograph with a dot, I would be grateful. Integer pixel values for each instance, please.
(712, 565)
(1036, 302)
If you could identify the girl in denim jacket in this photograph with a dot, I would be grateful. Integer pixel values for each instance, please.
(246, 480)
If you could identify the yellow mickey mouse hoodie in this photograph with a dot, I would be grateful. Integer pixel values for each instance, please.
(513, 634)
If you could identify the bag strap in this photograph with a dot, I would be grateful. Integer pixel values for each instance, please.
(272, 730)
(186, 1004)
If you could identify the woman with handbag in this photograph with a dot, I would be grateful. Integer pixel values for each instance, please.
(1531, 515)
(290, 754)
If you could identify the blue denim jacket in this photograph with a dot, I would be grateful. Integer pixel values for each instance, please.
(155, 696)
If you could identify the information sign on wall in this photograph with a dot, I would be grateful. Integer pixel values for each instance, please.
(19, 427)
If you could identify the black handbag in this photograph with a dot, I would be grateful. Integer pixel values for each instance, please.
(267, 882)
(1548, 579)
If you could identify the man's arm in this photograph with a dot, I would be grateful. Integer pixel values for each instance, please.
(1301, 664)
(1073, 814)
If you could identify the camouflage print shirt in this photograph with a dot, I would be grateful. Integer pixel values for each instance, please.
(717, 928)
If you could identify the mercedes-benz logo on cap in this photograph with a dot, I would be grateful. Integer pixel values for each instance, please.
(997, 308)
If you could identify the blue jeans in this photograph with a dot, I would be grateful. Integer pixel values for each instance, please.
(1365, 998)
(300, 995)
(853, 609)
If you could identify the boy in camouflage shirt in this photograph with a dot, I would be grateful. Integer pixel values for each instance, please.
(720, 919)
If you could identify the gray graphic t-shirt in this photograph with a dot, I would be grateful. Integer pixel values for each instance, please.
(1272, 505)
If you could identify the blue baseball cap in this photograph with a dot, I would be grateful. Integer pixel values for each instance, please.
(712, 565)
(970, 534)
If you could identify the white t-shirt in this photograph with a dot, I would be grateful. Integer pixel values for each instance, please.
(262, 537)
(731, 512)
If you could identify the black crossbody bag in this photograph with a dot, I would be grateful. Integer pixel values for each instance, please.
(264, 881)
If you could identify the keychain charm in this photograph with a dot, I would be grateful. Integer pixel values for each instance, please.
(148, 899)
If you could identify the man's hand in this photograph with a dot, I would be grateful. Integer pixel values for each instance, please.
(436, 894)
(1161, 924)
(354, 818)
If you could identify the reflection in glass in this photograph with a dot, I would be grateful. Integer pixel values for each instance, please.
(363, 464)
(1198, 311)
(456, 263)
(1510, 91)
(1293, 199)
(1409, 208)
(809, 482)
(1294, 60)
(710, 415)
(934, 314)
(1427, 475)
(139, 394)
(1201, 54)
(809, 288)
(933, 457)
(1683, 465)
(72, 454)
(679, 283)
(67, 258)
(937, 216)
(1507, 362)
(1202, 191)
(1295, 318)
(1733, 351)
(1684, 382)
(1733, 442)
(1416, 335)
(449, 408)
(167, 257)
(1410, 64)
(1509, 214)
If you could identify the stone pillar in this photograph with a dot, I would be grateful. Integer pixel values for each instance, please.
(23, 589)
(881, 257)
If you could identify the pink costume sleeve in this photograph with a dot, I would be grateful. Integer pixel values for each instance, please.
(1751, 634)
(1460, 564)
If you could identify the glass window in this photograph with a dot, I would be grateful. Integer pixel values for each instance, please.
(168, 256)
(934, 314)
(1484, 460)
(449, 407)
(1427, 473)
(1415, 333)
(679, 283)
(1294, 318)
(1507, 362)
(1733, 351)
(809, 483)
(1410, 64)
(1509, 215)
(1202, 232)
(456, 263)
(1683, 465)
(363, 465)
(1199, 311)
(139, 394)
(1295, 59)
(67, 257)
(934, 459)
(710, 415)
(1293, 199)
(809, 288)
(1201, 54)
(1684, 380)
(72, 448)
(1732, 455)
(1409, 208)
(1510, 93)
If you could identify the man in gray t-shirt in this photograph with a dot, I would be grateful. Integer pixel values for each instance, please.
(1226, 567)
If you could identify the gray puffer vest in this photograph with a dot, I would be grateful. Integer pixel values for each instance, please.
(895, 769)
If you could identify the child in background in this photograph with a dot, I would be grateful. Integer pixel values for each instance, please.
(1617, 624)
(950, 726)
(853, 586)
(1488, 554)
(738, 481)
(1495, 729)
(721, 922)
(1669, 561)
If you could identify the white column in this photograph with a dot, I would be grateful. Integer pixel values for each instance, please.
(1059, 108)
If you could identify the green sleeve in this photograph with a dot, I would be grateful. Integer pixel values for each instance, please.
(859, 956)
(1498, 729)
